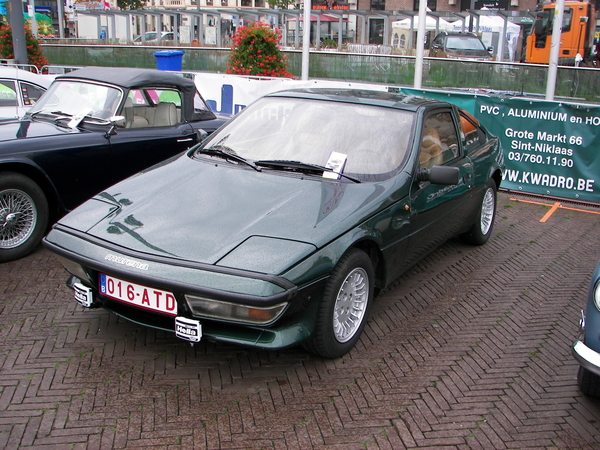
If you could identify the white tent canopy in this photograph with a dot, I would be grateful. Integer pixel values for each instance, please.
(430, 23)
(401, 36)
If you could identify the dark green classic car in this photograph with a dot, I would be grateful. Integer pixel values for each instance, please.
(282, 226)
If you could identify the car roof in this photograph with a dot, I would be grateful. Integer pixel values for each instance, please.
(131, 78)
(360, 96)
(457, 33)
(25, 75)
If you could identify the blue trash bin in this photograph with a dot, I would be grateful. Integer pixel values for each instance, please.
(169, 60)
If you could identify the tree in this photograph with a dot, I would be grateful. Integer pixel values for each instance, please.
(130, 4)
(35, 55)
(281, 4)
(256, 52)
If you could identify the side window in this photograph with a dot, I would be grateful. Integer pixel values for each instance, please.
(8, 96)
(439, 143)
(469, 130)
(154, 107)
(30, 93)
(199, 105)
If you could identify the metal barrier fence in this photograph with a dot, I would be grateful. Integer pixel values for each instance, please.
(573, 83)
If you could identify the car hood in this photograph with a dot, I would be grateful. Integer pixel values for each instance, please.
(20, 129)
(211, 213)
(468, 54)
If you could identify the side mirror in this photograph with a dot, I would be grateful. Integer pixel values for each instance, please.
(118, 121)
(444, 175)
(490, 50)
(201, 134)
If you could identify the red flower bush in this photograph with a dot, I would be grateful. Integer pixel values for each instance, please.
(256, 52)
(35, 55)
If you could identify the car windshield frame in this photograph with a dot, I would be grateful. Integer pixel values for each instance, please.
(79, 98)
(372, 142)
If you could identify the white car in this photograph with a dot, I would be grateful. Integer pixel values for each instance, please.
(151, 38)
(19, 90)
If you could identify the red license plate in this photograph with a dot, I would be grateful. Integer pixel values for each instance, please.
(137, 295)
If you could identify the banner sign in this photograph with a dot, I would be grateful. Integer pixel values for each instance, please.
(550, 148)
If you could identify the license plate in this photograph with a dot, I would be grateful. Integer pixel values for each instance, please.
(137, 295)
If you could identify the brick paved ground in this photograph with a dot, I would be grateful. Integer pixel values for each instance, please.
(469, 350)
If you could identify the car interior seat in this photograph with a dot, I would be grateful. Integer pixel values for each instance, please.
(431, 148)
(132, 120)
(165, 114)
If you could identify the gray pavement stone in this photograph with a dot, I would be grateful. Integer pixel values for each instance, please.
(469, 349)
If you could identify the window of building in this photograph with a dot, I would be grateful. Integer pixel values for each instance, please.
(378, 5)
(431, 4)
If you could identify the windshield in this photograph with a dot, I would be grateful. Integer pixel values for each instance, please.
(464, 43)
(72, 98)
(372, 141)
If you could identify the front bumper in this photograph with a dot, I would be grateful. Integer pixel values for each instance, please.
(588, 358)
(254, 290)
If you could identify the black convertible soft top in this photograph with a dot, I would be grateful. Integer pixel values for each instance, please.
(133, 78)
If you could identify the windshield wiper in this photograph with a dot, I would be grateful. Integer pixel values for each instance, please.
(300, 166)
(54, 113)
(226, 153)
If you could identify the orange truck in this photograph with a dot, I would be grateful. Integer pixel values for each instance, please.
(577, 35)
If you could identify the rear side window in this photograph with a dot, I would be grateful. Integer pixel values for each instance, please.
(471, 134)
(30, 93)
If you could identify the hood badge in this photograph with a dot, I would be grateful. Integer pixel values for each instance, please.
(126, 262)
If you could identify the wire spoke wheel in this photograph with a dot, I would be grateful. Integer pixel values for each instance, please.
(350, 305)
(24, 215)
(18, 218)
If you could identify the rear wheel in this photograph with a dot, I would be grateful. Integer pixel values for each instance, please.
(588, 382)
(23, 215)
(482, 229)
(343, 311)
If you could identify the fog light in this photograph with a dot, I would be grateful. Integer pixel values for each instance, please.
(215, 309)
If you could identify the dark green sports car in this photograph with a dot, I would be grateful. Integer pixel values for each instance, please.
(282, 226)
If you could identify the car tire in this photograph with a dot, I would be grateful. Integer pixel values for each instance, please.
(588, 382)
(23, 215)
(345, 306)
(482, 229)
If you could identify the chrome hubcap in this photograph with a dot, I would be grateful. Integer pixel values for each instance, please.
(18, 217)
(350, 305)
(487, 211)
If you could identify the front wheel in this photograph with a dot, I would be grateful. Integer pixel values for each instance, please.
(345, 305)
(482, 229)
(23, 215)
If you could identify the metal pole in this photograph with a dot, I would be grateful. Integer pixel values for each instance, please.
(420, 44)
(554, 49)
(61, 19)
(305, 39)
(18, 31)
(32, 16)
